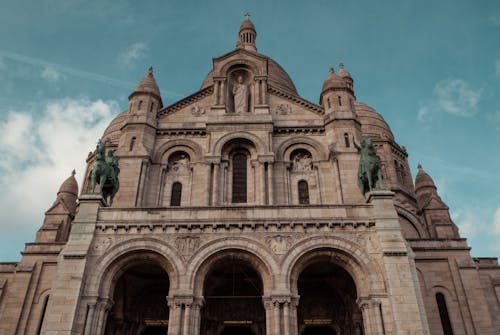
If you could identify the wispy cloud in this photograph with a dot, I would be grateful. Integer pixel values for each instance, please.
(133, 53)
(467, 223)
(452, 96)
(66, 70)
(51, 74)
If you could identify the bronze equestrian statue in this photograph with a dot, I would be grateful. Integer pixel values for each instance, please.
(105, 173)
(370, 166)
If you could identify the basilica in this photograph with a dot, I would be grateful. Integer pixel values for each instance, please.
(243, 209)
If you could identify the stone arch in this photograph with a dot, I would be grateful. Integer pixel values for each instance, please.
(412, 219)
(258, 143)
(125, 255)
(317, 151)
(367, 278)
(249, 64)
(450, 297)
(248, 250)
(166, 149)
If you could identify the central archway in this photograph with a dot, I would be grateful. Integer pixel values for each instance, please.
(233, 292)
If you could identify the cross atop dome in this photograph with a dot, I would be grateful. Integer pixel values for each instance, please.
(247, 34)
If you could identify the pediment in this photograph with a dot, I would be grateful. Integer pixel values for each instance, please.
(285, 106)
(253, 60)
(58, 207)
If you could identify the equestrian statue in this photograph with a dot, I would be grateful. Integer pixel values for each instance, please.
(105, 173)
(370, 166)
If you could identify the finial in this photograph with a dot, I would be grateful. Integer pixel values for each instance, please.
(73, 172)
(341, 65)
(331, 70)
(150, 70)
(247, 15)
(419, 166)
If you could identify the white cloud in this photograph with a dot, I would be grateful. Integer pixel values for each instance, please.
(497, 68)
(496, 222)
(452, 96)
(133, 53)
(51, 74)
(455, 96)
(467, 223)
(38, 153)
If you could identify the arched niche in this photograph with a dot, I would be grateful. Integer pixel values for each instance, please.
(240, 92)
(176, 179)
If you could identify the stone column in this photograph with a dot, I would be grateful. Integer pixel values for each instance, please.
(101, 314)
(268, 306)
(222, 92)
(216, 184)
(90, 317)
(276, 316)
(186, 329)
(270, 185)
(294, 302)
(197, 305)
(174, 318)
(286, 317)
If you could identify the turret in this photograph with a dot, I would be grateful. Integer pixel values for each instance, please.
(432, 207)
(145, 101)
(247, 35)
(58, 217)
(337, 94)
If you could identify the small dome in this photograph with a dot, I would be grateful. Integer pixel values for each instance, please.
(333, 81)
(68, 193)
(113, 131)
(423, 180)
(372, 123)
(247, 24)
(343, 72)
(70, 185)
(147, 85)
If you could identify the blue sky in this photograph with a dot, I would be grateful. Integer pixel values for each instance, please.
(432, 69)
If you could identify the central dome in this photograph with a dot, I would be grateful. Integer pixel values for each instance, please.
(277, 77)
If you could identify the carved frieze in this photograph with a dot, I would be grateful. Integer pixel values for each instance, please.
(197, 111)
(187, 245)
(279, 244)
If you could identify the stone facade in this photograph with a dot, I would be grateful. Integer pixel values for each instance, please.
(239, 213)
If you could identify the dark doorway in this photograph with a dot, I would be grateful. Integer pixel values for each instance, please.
(233, 299)
(237, 331)
(318, 330)
(155, 331)
(327, 298)
(140, 304)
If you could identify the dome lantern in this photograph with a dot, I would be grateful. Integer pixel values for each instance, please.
(247, 35)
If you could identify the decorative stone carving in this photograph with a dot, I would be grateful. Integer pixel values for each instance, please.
(284, 109)
(186, 245)
(197, 111)
(104, 244)
(280, 244)
(179, 164)
(302, 162)
(241, 94)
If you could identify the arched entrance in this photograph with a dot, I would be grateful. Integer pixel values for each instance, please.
(327, 304)
(140, 304)
(233, 292)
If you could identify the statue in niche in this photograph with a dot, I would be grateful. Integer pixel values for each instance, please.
(179, 163)
(302, 161)
(240, 93)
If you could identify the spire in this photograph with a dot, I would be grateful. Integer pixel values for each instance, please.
(247, 35)
(68, 192)
(147, 85)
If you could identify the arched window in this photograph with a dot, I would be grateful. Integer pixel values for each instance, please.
(239, 178)
(175, 197)
(329, 103)
(340, 100)
(140, 105)
(151, 107)
(303, 192)
(443, 314)
(346, 140)
(132, 143)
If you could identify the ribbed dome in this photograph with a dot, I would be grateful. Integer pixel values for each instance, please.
(277, 77)
(68, 193)
(247, 24)
(333, 81)
(372, 123)
(113, 132)
(343, 72)
(148, 84)
(70, 185)
(423, 180)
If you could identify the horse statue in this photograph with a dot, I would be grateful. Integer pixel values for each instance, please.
(370, 166)
(105, 173)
